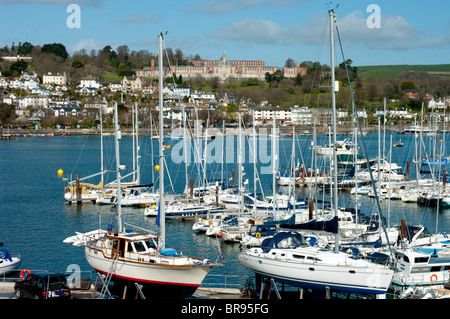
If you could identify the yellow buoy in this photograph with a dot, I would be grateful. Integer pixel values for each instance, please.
(156, 167)
(60, 172)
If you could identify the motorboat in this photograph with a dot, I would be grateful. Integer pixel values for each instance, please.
(177, 210)
(342, 147)
(419, 268)
(8, 263)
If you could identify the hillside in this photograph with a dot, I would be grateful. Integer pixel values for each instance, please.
(392, 71)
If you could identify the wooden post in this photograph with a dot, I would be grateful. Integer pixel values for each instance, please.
(407, 170)
(78, 189)
(234, 175)
(443, 180)
(217, 194)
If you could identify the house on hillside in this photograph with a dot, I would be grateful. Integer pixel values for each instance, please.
(131, 84)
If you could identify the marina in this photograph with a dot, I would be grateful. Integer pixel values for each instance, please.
(36, 218)
(123, 216)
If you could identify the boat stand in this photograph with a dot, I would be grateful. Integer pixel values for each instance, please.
(106, 279)
(139, 290)
(104, 282)
(261, 284)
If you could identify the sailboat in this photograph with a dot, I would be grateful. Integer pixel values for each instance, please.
(288, 258)
(140, 258)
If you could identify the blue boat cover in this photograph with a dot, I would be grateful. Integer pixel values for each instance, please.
(296, 240)
(168, 251)
(4, 254)
(330, 226)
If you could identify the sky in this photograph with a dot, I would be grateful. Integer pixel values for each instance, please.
(371, 32)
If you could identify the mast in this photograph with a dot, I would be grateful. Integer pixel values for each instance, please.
(162, 213)
(151, 147)
(333, 105)
(240, 188)
(117, 137)
(101, 149)
(274, 159)
(254, 162)
(136, 137)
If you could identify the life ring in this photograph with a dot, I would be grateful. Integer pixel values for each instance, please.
(258, 235)
(210, 222)
(433, 277)
(24, 271)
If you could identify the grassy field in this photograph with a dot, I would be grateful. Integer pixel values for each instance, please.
(390, 71)
(111, 77)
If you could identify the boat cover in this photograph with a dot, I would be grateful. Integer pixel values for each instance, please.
(330, 226)
(4, 254)
(277, 241)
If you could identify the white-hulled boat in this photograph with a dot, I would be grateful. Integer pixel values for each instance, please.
(177, 210)
(8, 263)
(419, 268)
(141, 257)
(342, 147)
(289, 259)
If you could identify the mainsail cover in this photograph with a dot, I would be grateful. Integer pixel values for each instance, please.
(330, 226)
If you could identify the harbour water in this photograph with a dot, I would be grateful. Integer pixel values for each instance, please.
(35, 219)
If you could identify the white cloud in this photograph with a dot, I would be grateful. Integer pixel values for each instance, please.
(88, 45)
(395, 33)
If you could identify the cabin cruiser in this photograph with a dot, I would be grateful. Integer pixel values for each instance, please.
(382, 172)
(418, 268)
(342, 147)
(176, 209)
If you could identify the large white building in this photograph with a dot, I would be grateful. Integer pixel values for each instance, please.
(222, 69)
(301, 115)
(266, 114)
(57, 79)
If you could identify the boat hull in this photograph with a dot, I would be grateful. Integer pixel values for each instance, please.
(345, 279)
(159, 281)
(9, 265)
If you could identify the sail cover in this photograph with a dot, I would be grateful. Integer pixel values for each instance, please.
(330, 226)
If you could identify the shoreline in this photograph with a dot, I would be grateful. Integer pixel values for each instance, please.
(284, 130)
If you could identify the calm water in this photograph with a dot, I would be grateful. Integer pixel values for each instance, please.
(35, 220)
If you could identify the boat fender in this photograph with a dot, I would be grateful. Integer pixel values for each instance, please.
(433, 277)
(24, 271)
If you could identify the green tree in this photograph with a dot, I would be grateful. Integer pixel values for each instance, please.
(124, 70)
(352, 70)
(56, 48)
(18, 66)
(408, 85)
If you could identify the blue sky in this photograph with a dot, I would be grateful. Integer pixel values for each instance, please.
(410, 32)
